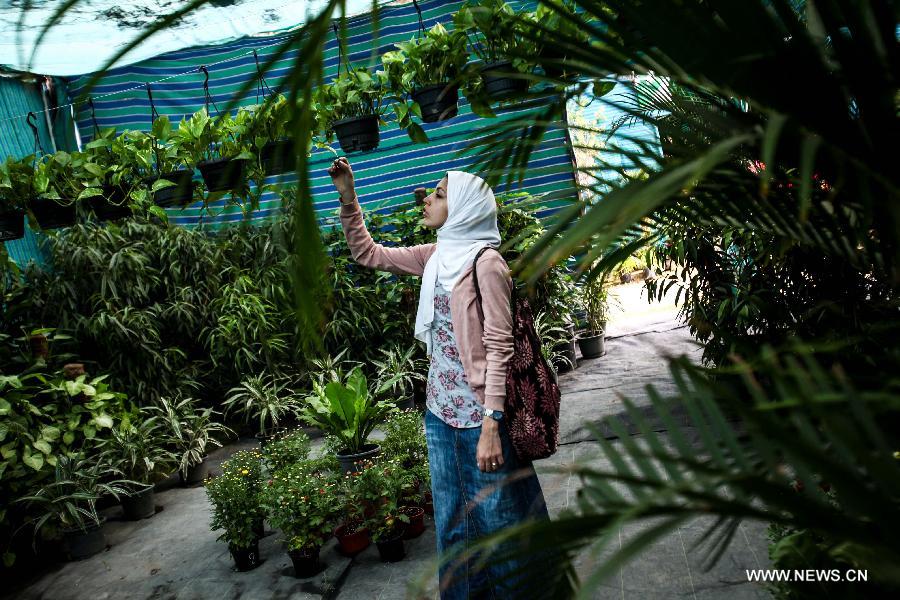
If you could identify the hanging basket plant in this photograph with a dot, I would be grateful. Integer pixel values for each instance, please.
(163, 164)
(56, 187)
(430, 69)
(214, 144)
(351, 108)
(16, 181)
(269, 136)
(497, 35)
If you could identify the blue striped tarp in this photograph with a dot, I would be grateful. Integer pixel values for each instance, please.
(385, 177)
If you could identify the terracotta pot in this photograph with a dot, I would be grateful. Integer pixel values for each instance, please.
(416, 525)
(352, 539)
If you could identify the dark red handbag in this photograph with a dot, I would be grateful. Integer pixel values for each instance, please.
(532, 404)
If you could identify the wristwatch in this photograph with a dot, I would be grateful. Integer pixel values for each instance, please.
(496, 415)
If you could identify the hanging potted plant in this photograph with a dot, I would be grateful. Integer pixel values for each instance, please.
(189, 431)
(237, 508)
(301, 504)
(164, 164)
(106, 176)
(16, 185)
(560, 23)
(139, 451)
(431, 70)
(53, 201)
(67, 504)
(596, 304)
(214, 145)
(349, 413)
(270, 137)
(496, 33)
(352, 108)
(397, 373)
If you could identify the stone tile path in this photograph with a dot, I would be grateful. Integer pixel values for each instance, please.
(174, 555)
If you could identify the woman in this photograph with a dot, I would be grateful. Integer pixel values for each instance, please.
(468, 447)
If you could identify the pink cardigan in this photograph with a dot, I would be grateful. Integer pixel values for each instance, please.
(484, 349)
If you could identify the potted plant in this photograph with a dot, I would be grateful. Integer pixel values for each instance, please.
(237, 508)
(558, 354)
(189, 430)
(139, 451)
(67, 504)
(430, 69)
(351, 533)
(596, 304)
(269, 136)
(301, 504)
(383, 485)
(500, 43)
(349, 413)
(352, 108)
(264, 398)
(214, 145)
(165, 163)
(397, 373)
(16, 186)
(556, 25)
(53, 203)
(285, 450)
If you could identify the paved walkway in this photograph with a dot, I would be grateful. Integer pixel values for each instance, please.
(174, 555)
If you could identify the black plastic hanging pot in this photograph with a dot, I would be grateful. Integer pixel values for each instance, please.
(174, 195)
(438, 102)
(498, 85)
(357, 134)
(223, 174)
(112, 205)
(12, 225)
(277, 157)
(53, 215)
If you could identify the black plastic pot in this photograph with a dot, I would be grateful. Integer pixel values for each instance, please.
(112, 205)
(352, 462)
(79, 544)
(174, 195)
(12, 225)
(357, 134)
(52, 215)
(569, 361)
(223, 174)
(391, 550)
(139, 505)
(438, 102)
(592, 344)
(500, 86)
(245, 559)
(278, 157)
(306, 562)
(259, 528)
(406, 403)
(195, 474)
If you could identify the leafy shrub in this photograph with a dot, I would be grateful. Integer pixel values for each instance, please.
(236, 499)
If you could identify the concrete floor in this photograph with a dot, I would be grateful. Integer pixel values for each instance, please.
(174, 555)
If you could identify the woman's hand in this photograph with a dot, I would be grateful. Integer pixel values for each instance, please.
(342, 178)
(489, 454)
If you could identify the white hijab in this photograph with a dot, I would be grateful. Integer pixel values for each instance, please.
(471, 225)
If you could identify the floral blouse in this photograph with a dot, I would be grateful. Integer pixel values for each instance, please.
(448, 394)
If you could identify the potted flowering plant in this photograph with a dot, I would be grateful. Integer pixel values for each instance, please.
(430, 69)
(382, 486)
(302, 505)
(499, 40)
(352, 534)
(352, 107)
(237, 507)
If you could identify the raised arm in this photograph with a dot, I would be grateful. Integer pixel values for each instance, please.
(405, 261)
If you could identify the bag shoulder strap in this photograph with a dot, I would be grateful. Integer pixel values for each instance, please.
(512, 296)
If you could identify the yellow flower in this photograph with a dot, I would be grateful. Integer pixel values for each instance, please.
(245, 472)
